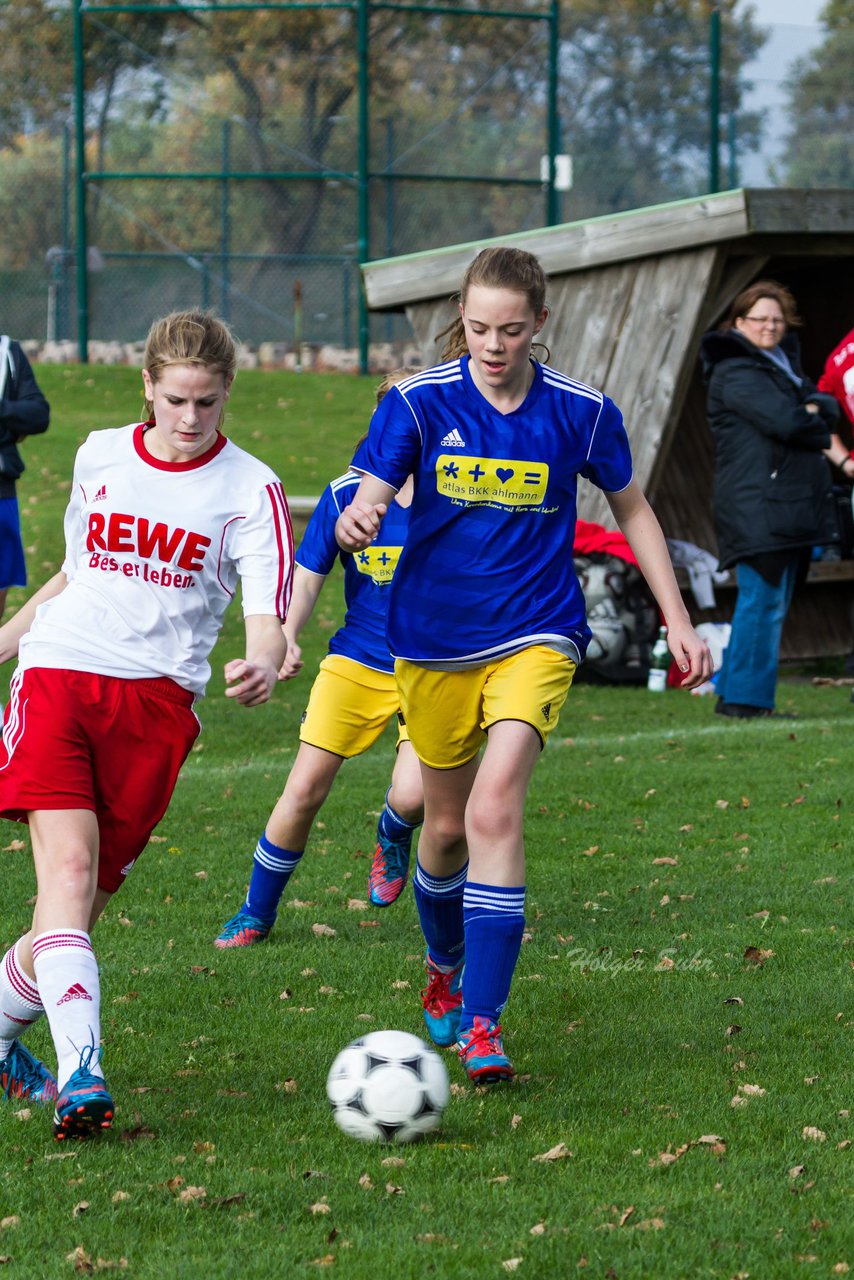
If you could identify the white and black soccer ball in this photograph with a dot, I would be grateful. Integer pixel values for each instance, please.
(387, 1086)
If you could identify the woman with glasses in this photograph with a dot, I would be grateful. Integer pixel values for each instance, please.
(771, 429)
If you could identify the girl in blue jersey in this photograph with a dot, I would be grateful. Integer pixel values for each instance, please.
(486, 616)
(352, 700)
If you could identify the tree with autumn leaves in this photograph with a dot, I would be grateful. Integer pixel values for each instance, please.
(276, 91)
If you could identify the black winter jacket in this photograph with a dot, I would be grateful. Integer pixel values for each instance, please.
(23, 412)
(772, 487)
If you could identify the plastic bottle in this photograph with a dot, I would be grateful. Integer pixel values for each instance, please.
(659, 663)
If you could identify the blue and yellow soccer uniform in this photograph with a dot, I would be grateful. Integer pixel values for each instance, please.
(354, 695)
(487, 571)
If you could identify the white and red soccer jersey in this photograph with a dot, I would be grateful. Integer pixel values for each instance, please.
(838, 376)
(153, 554)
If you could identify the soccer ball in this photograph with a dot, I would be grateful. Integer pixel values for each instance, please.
(387, 1086)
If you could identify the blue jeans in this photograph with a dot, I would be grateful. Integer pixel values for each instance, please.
(749, 672)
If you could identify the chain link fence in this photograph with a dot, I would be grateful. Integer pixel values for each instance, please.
(249, 159)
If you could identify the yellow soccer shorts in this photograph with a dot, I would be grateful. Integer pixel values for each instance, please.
(349, 706)
(448, 713)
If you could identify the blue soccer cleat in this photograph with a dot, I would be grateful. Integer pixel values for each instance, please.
(481, 1052)
(389, 869)
(243, 930)
(23, 1076)
(84, 1107)
(442, 999)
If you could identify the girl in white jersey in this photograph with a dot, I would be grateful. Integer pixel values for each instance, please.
(165, 517)
(486, 617)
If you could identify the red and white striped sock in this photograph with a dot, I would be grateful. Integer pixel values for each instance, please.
(67, 976)
(20, 1002)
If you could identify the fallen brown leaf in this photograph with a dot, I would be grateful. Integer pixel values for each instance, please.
(191, 1194)
(559, 1152)
(135, 1135)
(80, 1260)
(757, 955)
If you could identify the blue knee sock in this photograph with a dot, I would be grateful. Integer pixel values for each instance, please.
(440, 909)
(271, 870)
(494, 923)
(393, 826)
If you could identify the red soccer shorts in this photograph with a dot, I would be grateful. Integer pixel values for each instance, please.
(75, 740)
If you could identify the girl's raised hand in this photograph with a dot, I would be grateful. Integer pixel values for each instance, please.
(359, 524)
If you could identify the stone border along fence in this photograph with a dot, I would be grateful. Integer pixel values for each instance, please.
(383, 357)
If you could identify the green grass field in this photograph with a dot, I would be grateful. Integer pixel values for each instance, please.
(681, 1018)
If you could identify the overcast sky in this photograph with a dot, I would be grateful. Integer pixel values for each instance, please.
(794, 31)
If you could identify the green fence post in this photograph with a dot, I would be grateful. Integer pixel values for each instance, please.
(80, 163)
(553, 195)
(362, 18)
(225, 224)
(714, 97)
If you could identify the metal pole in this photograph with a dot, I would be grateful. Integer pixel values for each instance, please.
(65, 240)
(80, 164)
(714, 97)
(363, 234)
(225, 224)
(298, 326)
(732, 171)
(389, 210)
(552, 194)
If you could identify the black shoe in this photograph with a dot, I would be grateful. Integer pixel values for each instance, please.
(742, 711)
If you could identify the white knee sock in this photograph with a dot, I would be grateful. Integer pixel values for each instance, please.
(20, 1002)
(67, 974)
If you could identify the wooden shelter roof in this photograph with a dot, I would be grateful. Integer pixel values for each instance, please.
(630, 297)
